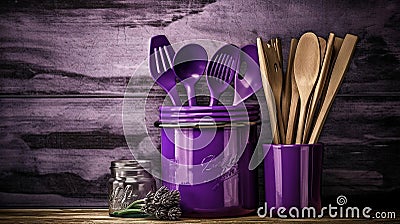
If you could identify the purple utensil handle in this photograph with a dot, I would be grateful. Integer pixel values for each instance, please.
(234, 193)
(293, 176)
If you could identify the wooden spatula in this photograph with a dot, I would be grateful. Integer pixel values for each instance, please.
(337, 44)
(340, 67)
(322, 46)
(277, 44)
(306, 70)
(275, 78)
(269, 96)
(291, 97)
(287, 86)
(320, 85)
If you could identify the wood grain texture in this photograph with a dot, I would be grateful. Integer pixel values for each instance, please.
(63, 47)
(101, 216)
(36, 154)
(55, 47)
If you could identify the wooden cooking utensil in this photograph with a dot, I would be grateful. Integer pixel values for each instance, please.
(275, 78)
(322, 46)
(337, 43)
(269, 95)
(285, 95)
(277, 44)
(287, 87)
(312, 112)
(306, 69)
(340, 67)
(293, 99)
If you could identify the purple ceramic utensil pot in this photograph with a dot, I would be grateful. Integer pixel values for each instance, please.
(206, 153)
(293, 176)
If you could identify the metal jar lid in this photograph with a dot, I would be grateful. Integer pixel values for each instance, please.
(208, 116)
(130, 168)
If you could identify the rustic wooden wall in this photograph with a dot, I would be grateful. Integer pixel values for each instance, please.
(64, 66)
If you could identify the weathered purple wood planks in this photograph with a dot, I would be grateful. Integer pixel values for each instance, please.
(47, 141)
(66, 48)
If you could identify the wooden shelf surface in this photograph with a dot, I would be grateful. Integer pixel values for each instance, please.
(101, 216)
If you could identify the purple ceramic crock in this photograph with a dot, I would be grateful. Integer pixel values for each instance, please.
(206, 154)
(293, 175)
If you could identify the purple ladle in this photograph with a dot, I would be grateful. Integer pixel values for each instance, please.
(189, 65)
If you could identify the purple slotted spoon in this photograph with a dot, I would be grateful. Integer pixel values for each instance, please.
(221, 70)
(189, 65)
(160, 64)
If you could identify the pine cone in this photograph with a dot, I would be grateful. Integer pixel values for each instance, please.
(161, 213)
(170, 198)
(174, 213)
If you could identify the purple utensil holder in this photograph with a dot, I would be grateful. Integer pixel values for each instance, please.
(293, 176)
(206, 154)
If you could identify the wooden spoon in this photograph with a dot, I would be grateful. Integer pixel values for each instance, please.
(269, 95)
(341, 65)
(320, 85)
(290, 97)
(306, 69)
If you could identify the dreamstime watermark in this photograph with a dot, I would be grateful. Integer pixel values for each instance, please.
(331, 211)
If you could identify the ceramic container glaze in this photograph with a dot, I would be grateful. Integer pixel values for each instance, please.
(293, 175)
(206, 152)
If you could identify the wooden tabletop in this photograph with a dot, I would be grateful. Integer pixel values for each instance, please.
(101, 216)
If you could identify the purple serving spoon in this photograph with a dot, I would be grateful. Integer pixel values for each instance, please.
(250, 82)
(160, 64)
(189, 65)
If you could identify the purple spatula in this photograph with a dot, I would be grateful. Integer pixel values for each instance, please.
(250, 82)
(221, 70)
(160, 64)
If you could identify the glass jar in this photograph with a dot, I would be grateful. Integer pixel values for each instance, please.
(129, 182)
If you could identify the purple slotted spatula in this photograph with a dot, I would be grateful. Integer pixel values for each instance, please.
(251, 81)
(160, 64)
(221, 70)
